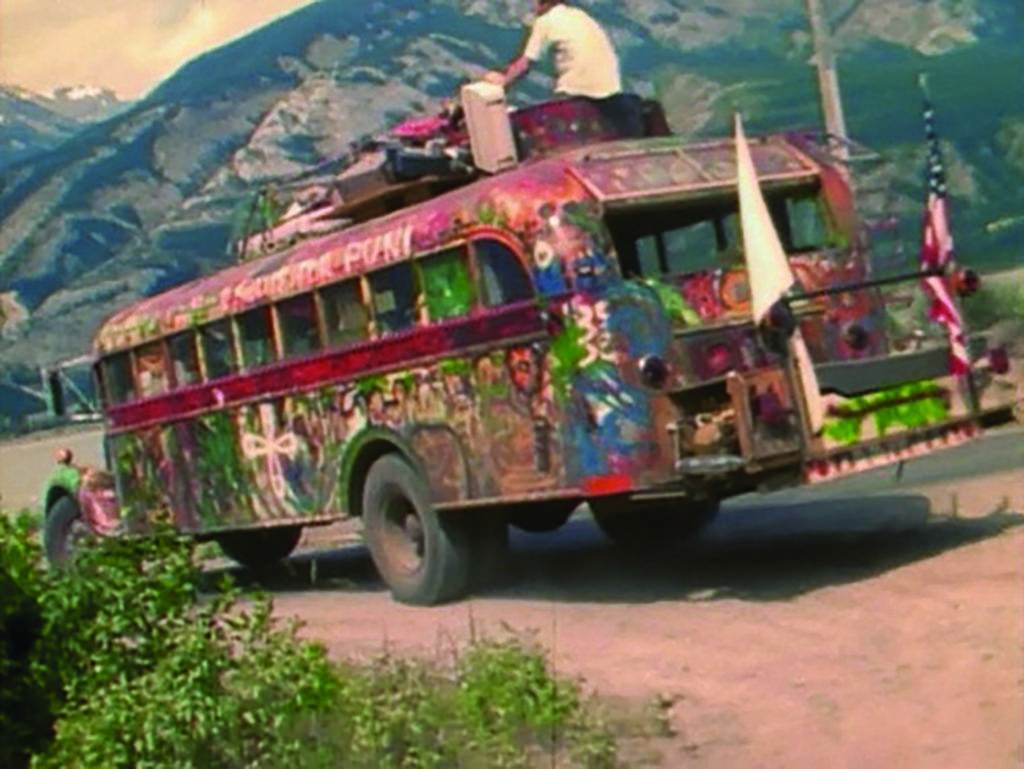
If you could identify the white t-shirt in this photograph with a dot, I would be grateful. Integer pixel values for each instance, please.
(585, 61)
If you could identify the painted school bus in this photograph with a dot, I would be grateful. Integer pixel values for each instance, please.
(575, 329)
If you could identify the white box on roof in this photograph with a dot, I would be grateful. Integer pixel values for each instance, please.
(490, 130)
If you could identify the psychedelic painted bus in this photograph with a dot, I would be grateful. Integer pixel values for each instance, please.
(459, 356)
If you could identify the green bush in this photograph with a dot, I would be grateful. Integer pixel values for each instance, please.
(139, 671)
(120, 661)
(994, 302)
(26, 710)
(228, 692)
(500, 707)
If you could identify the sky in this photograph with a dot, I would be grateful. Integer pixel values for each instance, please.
(126, 45)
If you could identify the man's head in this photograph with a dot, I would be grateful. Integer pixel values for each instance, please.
(543, 6)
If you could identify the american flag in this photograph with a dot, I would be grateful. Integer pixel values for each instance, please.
(937, 251)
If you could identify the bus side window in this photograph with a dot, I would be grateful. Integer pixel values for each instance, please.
(218, 349)
(118, 383)
(394, 298)
(503, 278)
(447, 285)
(184, 359)
(296, 318)
(151, 366)
(256, 337)
(345, 316)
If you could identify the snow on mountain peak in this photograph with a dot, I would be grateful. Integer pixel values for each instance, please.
(82, 92)
(79, 92)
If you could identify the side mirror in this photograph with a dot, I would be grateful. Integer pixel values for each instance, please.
(55, 394)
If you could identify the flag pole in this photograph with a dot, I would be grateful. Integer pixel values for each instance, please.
(771, 281)
(937, 248)
(828, 79)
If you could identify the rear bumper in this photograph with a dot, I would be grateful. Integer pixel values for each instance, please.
(856, 377)
(867, 455)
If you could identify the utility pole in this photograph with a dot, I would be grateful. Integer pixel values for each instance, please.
(828, 80)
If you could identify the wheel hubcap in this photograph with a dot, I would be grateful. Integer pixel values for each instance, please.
(414, 531)
(404, 537)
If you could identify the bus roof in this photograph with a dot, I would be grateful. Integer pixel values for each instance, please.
(616, 174)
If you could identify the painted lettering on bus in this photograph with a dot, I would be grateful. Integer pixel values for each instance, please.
(348, 259)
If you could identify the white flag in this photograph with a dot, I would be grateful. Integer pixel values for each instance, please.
(768, 270)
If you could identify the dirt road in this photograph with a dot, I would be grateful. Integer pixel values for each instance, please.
(857, 625)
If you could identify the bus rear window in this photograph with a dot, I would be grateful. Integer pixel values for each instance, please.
(692, 237)
(394, 298)
(681, 250)
(118, 383)
(184, 359)
(503, 278)
(151, 364)
(808, 230)
(256, 337)
(447, 286)
(297, 320)
(345, 315)
(218, 349)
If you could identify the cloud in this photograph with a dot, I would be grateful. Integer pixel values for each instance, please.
(125, 46)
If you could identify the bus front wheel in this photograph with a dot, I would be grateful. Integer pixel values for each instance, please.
(424, 558)
(650, 523)
(259, 548)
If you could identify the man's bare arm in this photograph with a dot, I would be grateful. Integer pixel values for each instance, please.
(515, 70)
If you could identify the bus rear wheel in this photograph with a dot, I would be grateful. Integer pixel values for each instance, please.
(652, 523)
(259, 548)
(423, 558)
(64, 531)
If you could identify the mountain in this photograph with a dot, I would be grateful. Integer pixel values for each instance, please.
(28, 127)
(149, 197)
(85, 103)
(33, 123)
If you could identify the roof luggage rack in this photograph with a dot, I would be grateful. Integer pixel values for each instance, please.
(425, 156)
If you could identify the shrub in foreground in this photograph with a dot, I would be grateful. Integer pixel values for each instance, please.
(26, 717)
(126, 664)
(500, 707)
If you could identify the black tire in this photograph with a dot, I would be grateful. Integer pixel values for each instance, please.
(652, 524)
(423, 558)
(543, 517)
(62, 531)
(259, 549)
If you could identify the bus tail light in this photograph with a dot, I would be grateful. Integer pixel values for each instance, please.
(654, 371)
(856, 337)
(966, 282)
(999, 361)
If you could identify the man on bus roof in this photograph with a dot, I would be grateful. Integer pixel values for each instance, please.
(586, 64)
(585, 61)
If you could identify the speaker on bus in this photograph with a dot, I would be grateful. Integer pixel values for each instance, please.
(489, 126)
